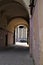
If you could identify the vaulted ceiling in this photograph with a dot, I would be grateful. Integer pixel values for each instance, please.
(13, 9)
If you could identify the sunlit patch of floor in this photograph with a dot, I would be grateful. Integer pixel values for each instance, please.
(22, 44)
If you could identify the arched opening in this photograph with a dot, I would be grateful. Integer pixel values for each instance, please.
(18, 36)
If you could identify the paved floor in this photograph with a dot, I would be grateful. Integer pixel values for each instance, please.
(16, 55)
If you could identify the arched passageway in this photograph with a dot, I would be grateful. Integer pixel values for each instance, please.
(16, 55)
(10, 9)
(12, 26)
(12, 14)
(20, 36)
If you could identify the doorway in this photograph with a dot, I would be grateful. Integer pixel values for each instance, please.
(14, 37)
(6, 43)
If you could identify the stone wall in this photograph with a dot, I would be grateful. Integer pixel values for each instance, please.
(3, 24)
(34, 36)
(2, 38)
(40, 19)
(37, 33)
(10, 39)
(4, 32)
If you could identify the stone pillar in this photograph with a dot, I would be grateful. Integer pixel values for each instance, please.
(25, 33)
(3, 32)
(10, 38)
(16, 34)
(2, 38)
(20, 32)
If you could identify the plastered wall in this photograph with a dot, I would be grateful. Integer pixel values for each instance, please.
(40, 19)
(34, 26)
(37, 35)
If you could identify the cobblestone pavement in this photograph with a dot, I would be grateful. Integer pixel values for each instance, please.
(16, 55)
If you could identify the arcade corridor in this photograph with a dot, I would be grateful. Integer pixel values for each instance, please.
(24, 17)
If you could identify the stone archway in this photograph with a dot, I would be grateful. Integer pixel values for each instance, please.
(21, 34)
(11, 27)
(15, 22)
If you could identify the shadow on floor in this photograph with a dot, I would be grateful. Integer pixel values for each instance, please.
(15, 55)
(15, 49)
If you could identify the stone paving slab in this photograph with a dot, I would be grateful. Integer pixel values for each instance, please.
(15, 56)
